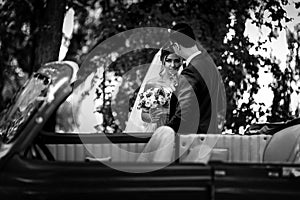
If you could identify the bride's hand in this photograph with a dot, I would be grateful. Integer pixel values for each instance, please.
(157, 113)
(146, 117)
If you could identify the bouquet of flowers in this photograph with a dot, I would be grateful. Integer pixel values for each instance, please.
(154, 97)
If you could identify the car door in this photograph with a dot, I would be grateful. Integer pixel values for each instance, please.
(33, 179)
(256, 181)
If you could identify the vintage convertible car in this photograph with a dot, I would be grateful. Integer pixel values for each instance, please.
(37, 163)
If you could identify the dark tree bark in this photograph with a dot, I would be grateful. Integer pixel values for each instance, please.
(49, 22)
(49, 17)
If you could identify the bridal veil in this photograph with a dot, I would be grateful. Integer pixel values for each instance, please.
(135, 122)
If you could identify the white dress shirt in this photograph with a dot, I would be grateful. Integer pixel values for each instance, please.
(188, 60)
(191, 57)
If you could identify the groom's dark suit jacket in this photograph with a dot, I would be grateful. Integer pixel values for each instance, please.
(194, 103)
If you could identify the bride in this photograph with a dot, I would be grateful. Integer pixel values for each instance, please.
(167, 81)
(162, 73)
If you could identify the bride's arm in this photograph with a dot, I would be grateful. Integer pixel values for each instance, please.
(155, 115)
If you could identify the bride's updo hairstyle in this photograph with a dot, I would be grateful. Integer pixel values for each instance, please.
(165, 53)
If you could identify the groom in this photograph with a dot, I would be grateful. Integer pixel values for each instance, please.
(198, 90)
(198, 104)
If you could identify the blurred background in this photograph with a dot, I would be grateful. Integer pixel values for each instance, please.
(254, 43)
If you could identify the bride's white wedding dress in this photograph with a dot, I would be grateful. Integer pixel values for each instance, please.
(160, 147)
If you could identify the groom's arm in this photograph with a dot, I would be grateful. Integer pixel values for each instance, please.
(187, 115)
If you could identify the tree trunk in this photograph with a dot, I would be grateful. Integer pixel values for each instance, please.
(49, 18)
(49, 22)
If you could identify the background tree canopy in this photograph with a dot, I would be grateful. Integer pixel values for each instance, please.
(31, 35)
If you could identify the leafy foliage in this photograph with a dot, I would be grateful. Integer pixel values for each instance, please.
(219, 26)
(30, 36)
(211, 20)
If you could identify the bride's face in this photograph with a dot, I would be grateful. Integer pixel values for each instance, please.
(172, 62)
